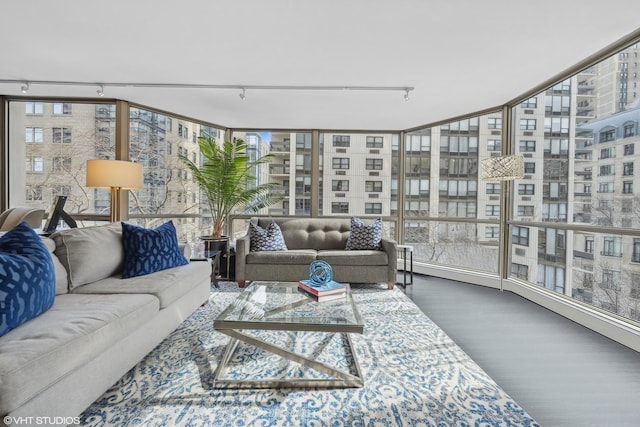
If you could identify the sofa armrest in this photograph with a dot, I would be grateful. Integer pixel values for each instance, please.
(243, 245)
(391, 248)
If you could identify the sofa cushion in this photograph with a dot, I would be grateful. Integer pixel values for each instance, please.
(355, 258)
(295, 256)
(90, 253)
(62, 280)
(266, 239)
(72, 332)
(27, 277)
(150, 250)
(306, 233)
(364, 236)
(167, 285)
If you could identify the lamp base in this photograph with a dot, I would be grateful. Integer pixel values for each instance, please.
(116, 198)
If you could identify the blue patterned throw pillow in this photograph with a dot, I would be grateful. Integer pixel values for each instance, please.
(266, 239)
(364, 236)
(27, 277)
(150, 250)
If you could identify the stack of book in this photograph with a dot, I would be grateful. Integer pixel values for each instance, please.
(326, 292)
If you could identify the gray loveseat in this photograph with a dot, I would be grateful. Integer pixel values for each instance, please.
(98, 328)
(310, 239)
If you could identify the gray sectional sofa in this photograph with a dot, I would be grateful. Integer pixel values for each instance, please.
(98, 328)
(309, 239)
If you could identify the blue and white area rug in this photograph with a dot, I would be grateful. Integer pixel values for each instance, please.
(415, 375)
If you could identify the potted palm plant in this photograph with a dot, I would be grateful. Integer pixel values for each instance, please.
(227, 179)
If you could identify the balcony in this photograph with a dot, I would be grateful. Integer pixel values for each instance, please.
(278, 211)
(582, 254)
(277, 148)
(585, 88)
(283, 191)
(279, 170)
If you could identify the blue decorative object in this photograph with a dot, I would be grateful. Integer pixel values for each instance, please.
(150, 250)
(266, 239)
(320, 273)
(364, 236)
(27, 277)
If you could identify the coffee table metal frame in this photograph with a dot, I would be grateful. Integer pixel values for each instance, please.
(234, 329)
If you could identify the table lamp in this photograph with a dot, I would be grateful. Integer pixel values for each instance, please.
(116, 175)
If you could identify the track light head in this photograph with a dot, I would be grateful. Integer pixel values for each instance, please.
(243, 94)
(406, 94)
(25, 88)
(100, 91)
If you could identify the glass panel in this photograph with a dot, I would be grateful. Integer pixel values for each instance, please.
(442, 180)
(581, 173)
(290, 168)
(599, 269)
(156, 140)
(366, 166)
(453, 186)
(50, 143)
(459, 244)
(418, 173)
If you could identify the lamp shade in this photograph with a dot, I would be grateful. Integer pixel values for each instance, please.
(114, 174)
(502, 168)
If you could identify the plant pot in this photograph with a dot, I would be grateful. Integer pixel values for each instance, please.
(212, 244)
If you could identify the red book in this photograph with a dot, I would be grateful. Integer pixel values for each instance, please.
(330, 288)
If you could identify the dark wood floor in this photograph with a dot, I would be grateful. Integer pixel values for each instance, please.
(561, 373)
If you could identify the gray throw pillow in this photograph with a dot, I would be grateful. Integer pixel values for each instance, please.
(364, 236)
(266, 239)
(90, 253)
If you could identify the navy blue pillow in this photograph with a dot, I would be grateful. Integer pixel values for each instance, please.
(27, 277)
(149, 250)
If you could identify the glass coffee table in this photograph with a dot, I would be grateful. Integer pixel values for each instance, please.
(280, 306)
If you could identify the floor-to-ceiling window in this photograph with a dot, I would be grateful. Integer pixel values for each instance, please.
(345, 174)
(451, 215)
(155, 141)
(576, 209)
(290, 168)
(49, 144)
(359, 173)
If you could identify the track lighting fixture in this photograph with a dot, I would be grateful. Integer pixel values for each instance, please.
(243, 88)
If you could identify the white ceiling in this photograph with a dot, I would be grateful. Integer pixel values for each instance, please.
(460, 55)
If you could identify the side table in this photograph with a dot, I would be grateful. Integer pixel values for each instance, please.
(212, 257)
(218, 249)
(406, 249)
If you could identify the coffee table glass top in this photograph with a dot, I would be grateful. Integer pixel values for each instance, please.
(281, 306)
